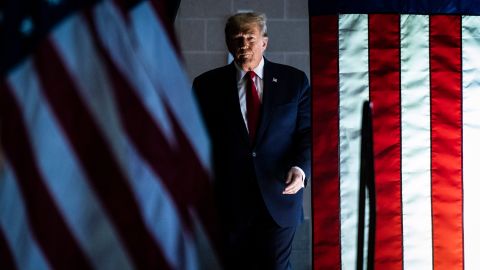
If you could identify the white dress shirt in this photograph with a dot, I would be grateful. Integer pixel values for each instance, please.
(242, 87)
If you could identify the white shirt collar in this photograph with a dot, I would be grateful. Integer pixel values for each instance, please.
(258, 70)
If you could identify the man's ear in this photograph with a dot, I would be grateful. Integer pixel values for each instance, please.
(265, 42)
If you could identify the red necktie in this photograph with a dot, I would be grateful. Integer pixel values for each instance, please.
(253, 105)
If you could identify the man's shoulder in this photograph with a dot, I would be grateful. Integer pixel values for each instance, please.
(214, 74)
(282, 69)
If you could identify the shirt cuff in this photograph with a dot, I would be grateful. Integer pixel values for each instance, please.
(301, 171)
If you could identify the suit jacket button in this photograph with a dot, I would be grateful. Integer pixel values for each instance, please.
(254, 154)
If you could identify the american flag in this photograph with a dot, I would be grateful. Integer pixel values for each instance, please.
(418, 63)
(105, 160)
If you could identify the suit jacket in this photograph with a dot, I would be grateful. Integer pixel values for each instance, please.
(283, 140)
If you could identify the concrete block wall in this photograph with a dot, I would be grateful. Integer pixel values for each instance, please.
(200, 25)
(200, 30)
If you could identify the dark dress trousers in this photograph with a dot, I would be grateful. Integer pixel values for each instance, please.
(250, 176)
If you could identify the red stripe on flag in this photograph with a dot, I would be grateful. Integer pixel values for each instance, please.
(160, 7)
(200, 185)
(47, 224)
(325, 183)
(384, 71)
(6, 256)
(92, 149)
(178, 167)
(124, 6)
(145, 135)
(446, 132)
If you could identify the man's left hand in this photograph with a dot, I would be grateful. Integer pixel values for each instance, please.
(294, 181)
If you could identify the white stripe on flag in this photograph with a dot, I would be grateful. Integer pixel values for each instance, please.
(158, 209)
(416, 176)
(84, 62)
(353, 82)
(13, 220)
(65, 180)
(367, 230)
(471, 139)
(166, 71)
(119, 44)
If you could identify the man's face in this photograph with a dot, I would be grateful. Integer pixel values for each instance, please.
(247, 47)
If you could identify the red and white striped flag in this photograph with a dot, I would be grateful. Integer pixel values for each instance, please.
(106, 161)
(422, 74)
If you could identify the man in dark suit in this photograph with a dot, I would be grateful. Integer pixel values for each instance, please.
(258, 117)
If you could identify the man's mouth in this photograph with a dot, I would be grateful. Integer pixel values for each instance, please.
(244, 54)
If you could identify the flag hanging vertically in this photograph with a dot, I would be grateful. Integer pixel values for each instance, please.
(418, 64)
(105, 160)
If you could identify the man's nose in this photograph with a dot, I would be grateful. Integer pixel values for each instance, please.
(243, 43)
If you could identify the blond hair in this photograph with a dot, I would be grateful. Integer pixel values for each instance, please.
(240, 22)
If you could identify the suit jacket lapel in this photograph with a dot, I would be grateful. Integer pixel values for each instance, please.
(234, 101)
(268, 95)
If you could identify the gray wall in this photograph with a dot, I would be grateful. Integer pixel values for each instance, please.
(199, 25)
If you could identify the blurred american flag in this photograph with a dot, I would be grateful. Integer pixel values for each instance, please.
(106, 163)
